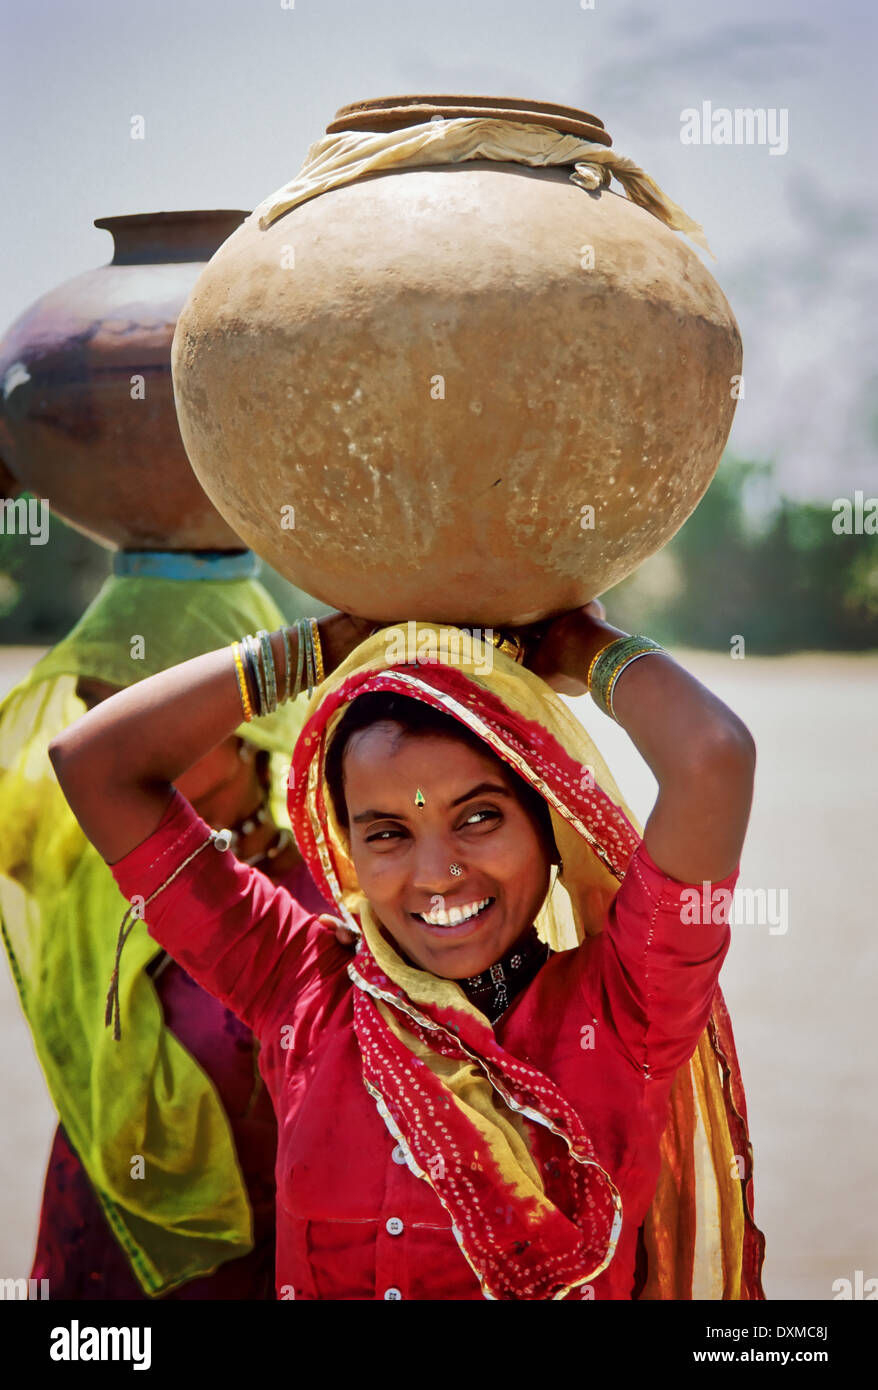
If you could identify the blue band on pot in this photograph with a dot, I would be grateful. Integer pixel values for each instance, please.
(185, 564)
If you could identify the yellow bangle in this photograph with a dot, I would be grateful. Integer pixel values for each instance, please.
(318, 651)
(242, 683)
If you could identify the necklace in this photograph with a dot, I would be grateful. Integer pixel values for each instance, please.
(247, 824)
(494, 989)
(238, 832)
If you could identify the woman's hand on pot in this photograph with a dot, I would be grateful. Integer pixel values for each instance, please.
(340, 634)
(560, 649)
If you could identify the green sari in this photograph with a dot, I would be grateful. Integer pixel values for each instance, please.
(60, 911)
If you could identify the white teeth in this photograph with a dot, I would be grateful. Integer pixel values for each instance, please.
(454, 915)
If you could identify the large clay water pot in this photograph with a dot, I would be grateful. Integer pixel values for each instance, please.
(87, 417)
(407, 392)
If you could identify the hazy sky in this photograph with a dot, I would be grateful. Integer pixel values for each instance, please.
(233, 92)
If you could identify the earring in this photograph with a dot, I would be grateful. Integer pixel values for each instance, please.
(245, 751)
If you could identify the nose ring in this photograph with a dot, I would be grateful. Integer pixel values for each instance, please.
(455, 870)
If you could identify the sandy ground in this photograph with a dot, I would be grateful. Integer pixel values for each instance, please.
(802, 999)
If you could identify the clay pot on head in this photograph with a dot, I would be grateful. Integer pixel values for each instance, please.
(87, 417)
(460, 362)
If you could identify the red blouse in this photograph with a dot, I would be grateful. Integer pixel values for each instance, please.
(609, 1022)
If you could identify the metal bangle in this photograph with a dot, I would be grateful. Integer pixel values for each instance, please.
(253, 652)
(309, 656)
(252, 675)
(594, 662)
(242, 683)
(302, 668)
(288, 661)
(317, 651)
(510, 644)
(300, 663)
(268, 671)
(261, 674)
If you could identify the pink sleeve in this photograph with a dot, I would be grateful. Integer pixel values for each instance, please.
(657, 967)
(240, 936)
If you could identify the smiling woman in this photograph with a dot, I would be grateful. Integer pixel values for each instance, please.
(458, 871)
(508, 1091)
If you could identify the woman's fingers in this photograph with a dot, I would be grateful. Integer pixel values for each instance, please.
(343, 934)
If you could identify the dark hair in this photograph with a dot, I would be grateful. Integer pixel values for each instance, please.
(417, 717)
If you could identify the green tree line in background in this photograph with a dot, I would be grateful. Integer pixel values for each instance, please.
(748, 563)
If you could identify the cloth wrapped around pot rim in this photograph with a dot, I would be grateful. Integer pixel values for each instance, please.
(700, 1237)
(340, 158)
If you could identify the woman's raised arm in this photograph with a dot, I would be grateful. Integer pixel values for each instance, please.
(117, 764)
(703, 756)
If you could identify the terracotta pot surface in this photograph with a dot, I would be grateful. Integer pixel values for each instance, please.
(71, 430)
(318, 389)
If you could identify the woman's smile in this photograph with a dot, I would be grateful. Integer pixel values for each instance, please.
(450, 916)
(453, 921)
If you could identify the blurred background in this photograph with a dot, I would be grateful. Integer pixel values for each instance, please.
(769, 604)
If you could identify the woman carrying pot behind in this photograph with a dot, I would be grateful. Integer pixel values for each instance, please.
(465, 1108)
(161, 1176)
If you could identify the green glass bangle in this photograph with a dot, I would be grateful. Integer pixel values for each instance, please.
(303, 674)
(300, 663)
(610, 664)
(309, 656)
(288, 660)
(269, 674)
(253, 649)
